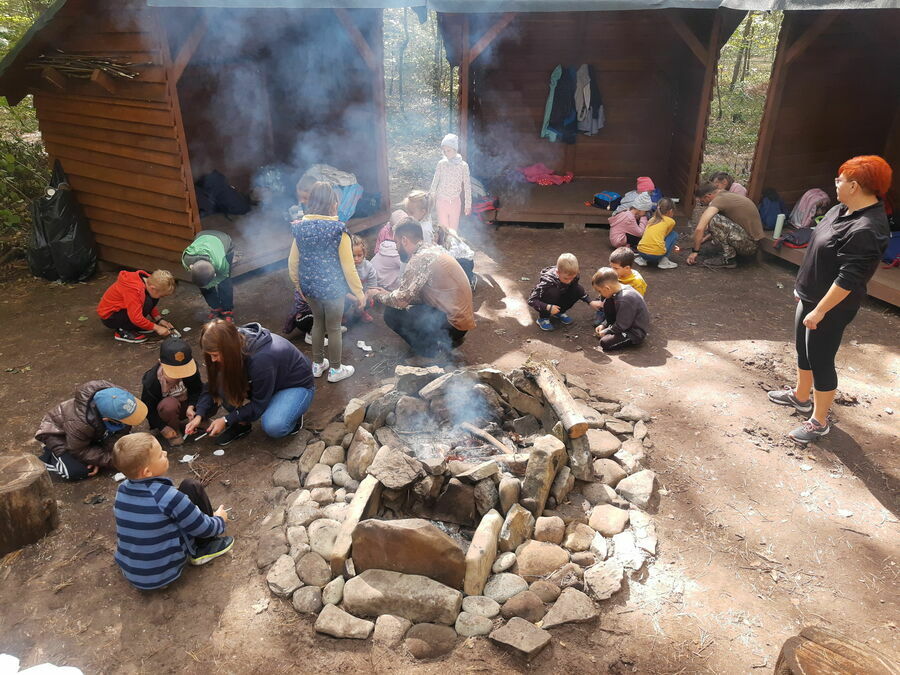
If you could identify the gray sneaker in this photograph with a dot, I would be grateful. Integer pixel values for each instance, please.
(786, 397)
(809, 431)
(721, 263)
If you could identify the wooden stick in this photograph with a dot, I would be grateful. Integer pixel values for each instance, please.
(561, 401)
(485, 436)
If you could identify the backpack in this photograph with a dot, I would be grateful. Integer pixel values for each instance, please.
(215, 195)
(795, 238)
(770, 207)
(607, 200)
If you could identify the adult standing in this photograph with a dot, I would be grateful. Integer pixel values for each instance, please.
(254, 375)
(432, 307)
(731, 220)
(843, 254)
(322, 267)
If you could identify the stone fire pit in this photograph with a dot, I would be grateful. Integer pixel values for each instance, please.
(462, 503)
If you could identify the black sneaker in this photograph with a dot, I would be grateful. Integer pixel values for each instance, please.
(722, 263)
(129, 336)
(233, 433)
(215, 548)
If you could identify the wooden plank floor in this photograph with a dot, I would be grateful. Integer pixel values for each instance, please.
(885, 285)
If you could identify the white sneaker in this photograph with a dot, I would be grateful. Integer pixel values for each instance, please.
(639, 261)
(666, 264)
(319, 368)
(342, 373)
(308, 340)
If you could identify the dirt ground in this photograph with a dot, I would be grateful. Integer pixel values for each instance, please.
(757, 537)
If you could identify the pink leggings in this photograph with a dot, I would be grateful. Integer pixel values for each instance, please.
(448, 212)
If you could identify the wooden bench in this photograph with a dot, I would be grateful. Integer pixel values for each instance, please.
(819, 651)
(885, 285)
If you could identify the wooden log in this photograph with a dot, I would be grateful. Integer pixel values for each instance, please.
(485, 436)
(560, 400)
(27, 505)
(820, 650)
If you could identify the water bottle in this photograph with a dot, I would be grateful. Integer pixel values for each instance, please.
(779, 226)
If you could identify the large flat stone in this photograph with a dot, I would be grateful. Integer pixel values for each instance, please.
(429, 640)
(526, 605)
(547, 456)
(311, 456)
(282, 578)
(410, 546)
(412, 414)
(517, 527)
(361, 453)
(322, 534)
(365, 503)
(319, 476)
(354, 414)
(337, 623)
(638, 488)
(417, 598)
(286, 476)
(608, 520)
(456, 504)
(482, 553)
(608, 472)
(604, 579)
(390, 630)
(501, 587)
(573, 606)
(580, 459)
(479, 472)
(522, 637)
(536, 559)
(411, 379)
(602, 443)
(394, 468)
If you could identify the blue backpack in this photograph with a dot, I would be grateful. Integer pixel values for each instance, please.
(770, 207)
(607, 200)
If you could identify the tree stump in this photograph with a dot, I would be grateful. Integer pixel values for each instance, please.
(27, 505)
(819, 651)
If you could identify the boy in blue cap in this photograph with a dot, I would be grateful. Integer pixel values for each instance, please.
(78, 435)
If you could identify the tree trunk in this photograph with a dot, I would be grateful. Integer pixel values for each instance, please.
(438, 81)
(401, 54)
(27, 505)
(748, 23)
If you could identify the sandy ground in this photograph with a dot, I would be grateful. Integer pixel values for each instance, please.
(757, 537)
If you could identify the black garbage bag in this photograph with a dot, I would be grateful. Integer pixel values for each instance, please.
(61, 246)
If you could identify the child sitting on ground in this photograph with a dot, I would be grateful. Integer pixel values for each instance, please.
(159, 527)
(170, 389)
(626, 319)
(209, 259)
(621, 260)
(78, 435)
(129, 305)
(626, 227)
(367, 276)
(557, 291)
(659, 238)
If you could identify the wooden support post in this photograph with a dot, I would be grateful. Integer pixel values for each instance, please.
(191, 42)
(686, 34)
(772, 105)
(357, 37)
(820, 25)
(491, 33)
(27, 505)
(54, 77)
(103, 80)
(709, 77)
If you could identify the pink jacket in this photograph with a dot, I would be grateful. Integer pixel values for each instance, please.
(738, 189)
(625, 223)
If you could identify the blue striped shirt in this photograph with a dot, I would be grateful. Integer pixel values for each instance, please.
(156, 526)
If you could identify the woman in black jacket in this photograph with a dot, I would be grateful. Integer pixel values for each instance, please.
(843, 254)
(171, 389)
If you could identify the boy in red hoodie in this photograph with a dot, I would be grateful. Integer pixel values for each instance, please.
(129, 305)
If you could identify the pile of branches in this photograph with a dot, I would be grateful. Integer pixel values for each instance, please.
(82, 67)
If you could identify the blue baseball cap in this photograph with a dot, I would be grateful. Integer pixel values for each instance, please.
(120, 405)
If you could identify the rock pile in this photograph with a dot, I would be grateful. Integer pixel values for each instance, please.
(463, 503)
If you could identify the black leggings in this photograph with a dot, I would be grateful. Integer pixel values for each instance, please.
(197, 494)
(817, 348)
(119, 320)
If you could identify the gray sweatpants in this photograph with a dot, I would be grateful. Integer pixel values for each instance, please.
(327, 315)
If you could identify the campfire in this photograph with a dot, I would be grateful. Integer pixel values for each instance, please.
(462, 498)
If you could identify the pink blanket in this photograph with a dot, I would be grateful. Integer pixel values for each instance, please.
(540, 174)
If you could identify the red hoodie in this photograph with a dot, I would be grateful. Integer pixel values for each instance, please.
(128, 293)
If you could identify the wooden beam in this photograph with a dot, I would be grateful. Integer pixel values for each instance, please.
(54, 77)
(361, 45)
(380, 106)
(465, 79)
(102, 79)
(491, 33)
(773, 104)
(188, 48)
(819, 26)
(709, 77)
(688, 36)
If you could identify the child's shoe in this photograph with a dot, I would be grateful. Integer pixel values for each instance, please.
(640, 261)
(342, 373)
(320, 368)
(809, 431)
(234, 432)
(665, 264)
(227, 316)
(545, 324)
(565, 319)
(365, 316)
(130, 336)
(215, 548)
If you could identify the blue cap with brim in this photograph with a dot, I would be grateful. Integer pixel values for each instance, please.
(120, 405)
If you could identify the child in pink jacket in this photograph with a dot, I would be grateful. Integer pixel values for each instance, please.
(627, 227)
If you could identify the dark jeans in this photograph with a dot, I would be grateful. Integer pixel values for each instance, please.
(817, 348)
(633, 240)
(468, 267)
(221, 297)
(564, 300)
(119, 320)
(425, 329)
(197, 494)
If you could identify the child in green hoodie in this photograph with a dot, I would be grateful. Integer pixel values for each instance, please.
(209, 259)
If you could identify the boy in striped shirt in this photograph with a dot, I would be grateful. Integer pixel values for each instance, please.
(159, 527)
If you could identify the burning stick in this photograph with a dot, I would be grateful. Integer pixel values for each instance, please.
(485, 436)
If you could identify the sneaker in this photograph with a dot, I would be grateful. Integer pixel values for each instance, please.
(545, 324)
(297, 427)
(565, 319)
(146, 332)
(666, 264)
(130, 336)
(215, 548)
(308, 340)
(786, 397)
(234, 432)
(228, 316)
(809, 431)
(724, 263)
(342, 373)
(640, 261)
(319, 368)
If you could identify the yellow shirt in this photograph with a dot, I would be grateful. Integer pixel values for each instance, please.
(636, 281)
(653, 242)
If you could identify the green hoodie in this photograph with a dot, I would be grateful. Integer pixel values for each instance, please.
(213, 246)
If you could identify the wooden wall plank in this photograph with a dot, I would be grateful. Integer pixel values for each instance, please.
(47, 114)
(138, 222)
(112, 109)
(142, 210)
(126, 194)
(112, 175)
(61, 148)
(147, 148)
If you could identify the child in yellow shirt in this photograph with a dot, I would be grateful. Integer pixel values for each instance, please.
(621, 260)
(658, 240)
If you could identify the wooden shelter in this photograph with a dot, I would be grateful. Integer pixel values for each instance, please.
(834, 94)
(218, 85)
(655, 70)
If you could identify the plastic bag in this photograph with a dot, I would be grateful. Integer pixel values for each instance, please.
(61, 246)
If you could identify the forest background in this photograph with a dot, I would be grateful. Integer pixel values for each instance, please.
(422, 95)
